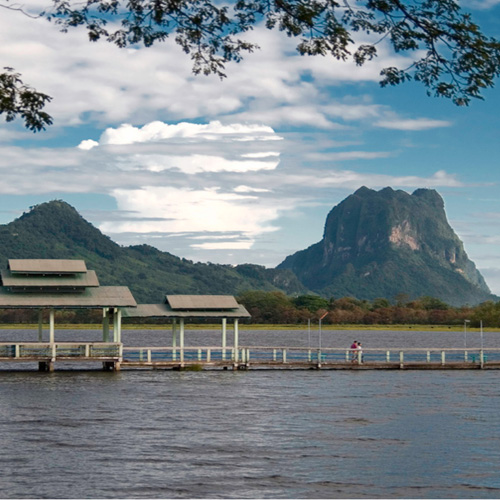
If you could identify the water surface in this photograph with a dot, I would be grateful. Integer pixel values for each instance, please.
(256, 434)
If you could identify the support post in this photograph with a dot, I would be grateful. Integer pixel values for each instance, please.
(181, 338)
(443, 358)
(224, 337)
(401, 359)
(174, 339)
(40, 326)
(105, 324)
(117, 324)
(236, 333)
(51, 326)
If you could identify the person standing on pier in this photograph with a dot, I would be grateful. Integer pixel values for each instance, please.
(360, 352)
(354, 349)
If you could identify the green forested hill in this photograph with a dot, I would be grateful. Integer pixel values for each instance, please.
(55, 230)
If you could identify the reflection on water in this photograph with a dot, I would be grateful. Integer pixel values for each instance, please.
(260, 434)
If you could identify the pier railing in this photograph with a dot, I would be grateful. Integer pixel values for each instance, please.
(307, 357)
(27, 351)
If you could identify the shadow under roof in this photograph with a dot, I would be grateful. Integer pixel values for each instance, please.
(47, 266)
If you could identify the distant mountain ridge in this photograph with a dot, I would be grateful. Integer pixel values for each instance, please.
(384, 243)
(375, 244)
(56, 230)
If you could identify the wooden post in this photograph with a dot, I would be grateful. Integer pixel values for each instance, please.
(465, 356)
(51, 326)
(401, 359)
(443, 358)
(428, 356)
(481, 358)
(284, 355)
(388, 356)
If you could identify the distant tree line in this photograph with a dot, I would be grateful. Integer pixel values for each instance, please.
(279, 308)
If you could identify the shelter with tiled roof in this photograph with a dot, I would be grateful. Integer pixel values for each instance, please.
(62, 284)
(180, 307)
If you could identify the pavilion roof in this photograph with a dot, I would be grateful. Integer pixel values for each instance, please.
(57, 283)
(203, 306)
(47, 266)
(95, 297)
(21, 281)
(201, 302)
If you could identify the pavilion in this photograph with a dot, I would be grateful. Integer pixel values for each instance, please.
(55, 284)
(178, 308)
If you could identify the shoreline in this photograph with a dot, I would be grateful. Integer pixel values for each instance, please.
(263, 327)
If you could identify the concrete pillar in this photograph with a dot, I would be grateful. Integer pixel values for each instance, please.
(224, 337)
(236, 340)
(40, 326)
(181, 333)
(119, 325)
(236, 333)
(116, 325)
(105, 324)
(181, 338)
(51, 326)
(174, 332)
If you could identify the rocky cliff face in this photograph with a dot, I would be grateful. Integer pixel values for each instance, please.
(383, 243)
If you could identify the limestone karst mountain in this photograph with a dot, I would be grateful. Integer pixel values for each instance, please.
(388, 242)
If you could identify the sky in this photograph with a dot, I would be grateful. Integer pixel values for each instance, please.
(243, 170)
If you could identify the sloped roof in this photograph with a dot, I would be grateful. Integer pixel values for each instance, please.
(104, 296)
(47, 266)
(79, 280)
(202, 302)
(165, 311)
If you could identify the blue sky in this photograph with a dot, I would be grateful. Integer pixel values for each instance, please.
(245, 169)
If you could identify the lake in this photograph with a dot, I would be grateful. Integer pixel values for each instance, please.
(256, 434)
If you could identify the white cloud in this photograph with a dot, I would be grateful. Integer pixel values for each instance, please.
(88, 144)
(194, 164)
(184, 210)
(161, 132)
(416, 124)
(102, 82)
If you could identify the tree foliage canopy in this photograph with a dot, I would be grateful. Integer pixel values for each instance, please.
(450, 55)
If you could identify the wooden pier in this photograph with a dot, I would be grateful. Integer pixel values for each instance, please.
(46, 354)
(114, 356)
(247, 358)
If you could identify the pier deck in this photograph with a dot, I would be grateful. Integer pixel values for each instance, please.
(296, 358)
(115, 356)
